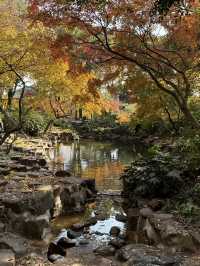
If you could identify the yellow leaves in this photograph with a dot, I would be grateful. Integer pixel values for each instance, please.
(123, 117)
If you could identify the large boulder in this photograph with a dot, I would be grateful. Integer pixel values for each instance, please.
(171, 232)
(143, 255)
(13, 242)
(36, 203)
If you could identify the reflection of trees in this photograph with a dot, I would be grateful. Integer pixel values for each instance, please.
(104, 162)
(106, 175)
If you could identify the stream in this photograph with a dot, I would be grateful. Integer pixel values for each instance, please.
(105, 162)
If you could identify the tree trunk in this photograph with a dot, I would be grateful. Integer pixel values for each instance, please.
(189, 117)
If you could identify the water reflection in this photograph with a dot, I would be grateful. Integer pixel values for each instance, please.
(102, 161)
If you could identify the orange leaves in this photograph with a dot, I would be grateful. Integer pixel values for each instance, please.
(186, 31)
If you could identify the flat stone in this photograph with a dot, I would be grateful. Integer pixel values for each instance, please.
(7, 257)
(14, 242)
(143, 255)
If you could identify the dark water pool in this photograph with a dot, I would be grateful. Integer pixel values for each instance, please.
(88, 159)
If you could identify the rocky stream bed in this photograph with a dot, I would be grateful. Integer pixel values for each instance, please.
(33, 199)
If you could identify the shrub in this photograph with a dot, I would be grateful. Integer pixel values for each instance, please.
(158, 176)
(62, 123)
(34, 123)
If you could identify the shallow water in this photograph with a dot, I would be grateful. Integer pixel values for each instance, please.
(89, 159)
(105, 162)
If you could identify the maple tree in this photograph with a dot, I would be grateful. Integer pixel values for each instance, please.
(124, 33)
(29, 55)
(63, 92)
(19, 55)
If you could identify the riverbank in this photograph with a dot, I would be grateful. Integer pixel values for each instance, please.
(38, 203)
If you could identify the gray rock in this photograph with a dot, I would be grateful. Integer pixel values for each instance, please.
(155, 204)
(72, 235)
(172, 233)
(146, 212)
(55, 257)
(36, 203)
(91, 221)
(2, 227)
(78, 226)
(14, 242)
(121, 218)
(83, 242)
(7, 257)
(143, 255)
(115, 231)
(117, 243)
(105, 250)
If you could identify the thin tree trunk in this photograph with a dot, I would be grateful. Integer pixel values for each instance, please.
(189, 117)
(48, 125)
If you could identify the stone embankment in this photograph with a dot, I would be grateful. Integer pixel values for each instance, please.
(31, 196)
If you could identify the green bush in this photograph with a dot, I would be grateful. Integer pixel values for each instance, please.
(62, 123)
(34, 123)
(157, 176)
(188, 209)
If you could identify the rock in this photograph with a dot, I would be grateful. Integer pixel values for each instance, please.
(7, 257)
(73, 199)
(36, 203)
(2, 227)
(4, 171)
(83, 242)
(91, 221)
(172, 233)
(41, 161)
(121, 217)
(55, 257)
(143, 255)
(72, 235)
(78, 226)
(18, 168)
(14, 242)
(62, 242)
(62, 173)
(90, 184)
(155, 204)
(117, 243)
(115, 231)
(101, 216)
(34, 227)
(28, 161)
(133, 216)
(3, 183)
(54, 248)
(146, 212)
(105, 250)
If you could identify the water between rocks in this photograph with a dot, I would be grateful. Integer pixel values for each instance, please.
(105, 162)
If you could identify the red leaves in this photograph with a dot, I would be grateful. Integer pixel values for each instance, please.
(33, 7)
